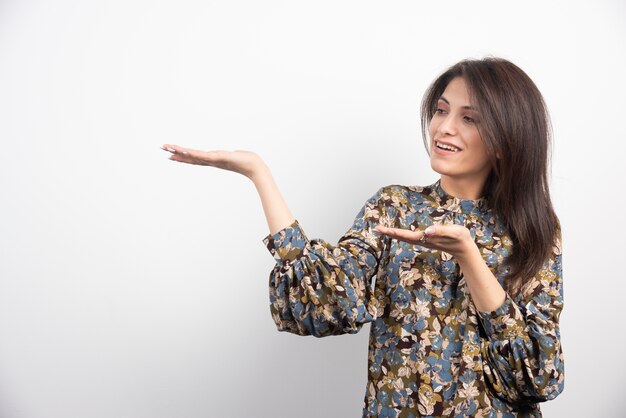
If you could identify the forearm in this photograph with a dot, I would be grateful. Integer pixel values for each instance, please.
(276, 211)
(522, 348)
(487, 293)
(317, 288)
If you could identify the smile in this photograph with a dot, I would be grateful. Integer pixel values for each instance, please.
(447, 147)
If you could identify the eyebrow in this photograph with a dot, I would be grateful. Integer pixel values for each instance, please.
(463, 107)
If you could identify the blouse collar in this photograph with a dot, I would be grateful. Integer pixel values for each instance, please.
(454, 204)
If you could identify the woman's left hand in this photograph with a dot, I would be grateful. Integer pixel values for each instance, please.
(453, 239)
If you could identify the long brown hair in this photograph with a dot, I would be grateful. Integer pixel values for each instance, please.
(515, 126)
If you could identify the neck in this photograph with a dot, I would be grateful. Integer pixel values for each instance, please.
(470, 189)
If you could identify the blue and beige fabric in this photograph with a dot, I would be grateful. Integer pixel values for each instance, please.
(431, 353)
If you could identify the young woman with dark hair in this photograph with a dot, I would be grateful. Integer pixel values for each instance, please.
(461, 279)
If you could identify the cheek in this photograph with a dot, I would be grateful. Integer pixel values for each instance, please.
(480, 156)
(483, 151)
(432, 128)
(476, 143)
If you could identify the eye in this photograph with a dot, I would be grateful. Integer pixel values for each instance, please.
(469, 119)
(439, 111)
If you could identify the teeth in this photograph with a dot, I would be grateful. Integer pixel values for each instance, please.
(446, 147)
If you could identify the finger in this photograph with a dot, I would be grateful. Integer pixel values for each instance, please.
(187, 159)
(168, 148)
(452, 232)
(193, 156)
(179, 157)
(431, 231)
(412, 237)
(174, 149)
(215, 158)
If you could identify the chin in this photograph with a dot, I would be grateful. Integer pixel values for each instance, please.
(440, 167)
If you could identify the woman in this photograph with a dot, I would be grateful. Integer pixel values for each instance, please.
(461, 280)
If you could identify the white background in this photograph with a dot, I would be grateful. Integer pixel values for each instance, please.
(135, 287)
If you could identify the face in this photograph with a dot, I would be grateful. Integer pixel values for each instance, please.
(457, 151)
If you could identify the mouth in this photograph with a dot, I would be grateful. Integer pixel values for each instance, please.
(446, 147)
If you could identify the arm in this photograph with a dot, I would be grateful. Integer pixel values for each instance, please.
(277, 213)
(315, 288)
(321, 289)
(522, 356)
(487, 293)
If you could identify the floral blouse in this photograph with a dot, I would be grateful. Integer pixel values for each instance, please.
(431, 353)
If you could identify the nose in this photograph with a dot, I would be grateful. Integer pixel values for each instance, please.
(447, 125)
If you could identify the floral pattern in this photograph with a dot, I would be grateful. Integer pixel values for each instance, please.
(431, 353)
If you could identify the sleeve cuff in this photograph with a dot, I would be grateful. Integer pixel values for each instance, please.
(506, 322)
(288, 244)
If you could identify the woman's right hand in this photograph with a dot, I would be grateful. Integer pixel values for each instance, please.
(243, 162)
(250, 165)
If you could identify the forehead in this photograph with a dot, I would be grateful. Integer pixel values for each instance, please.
(456, 93)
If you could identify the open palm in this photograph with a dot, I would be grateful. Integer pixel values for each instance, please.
(243, 162)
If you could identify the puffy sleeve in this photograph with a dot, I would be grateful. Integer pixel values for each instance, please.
(522, 357)
(321, 289)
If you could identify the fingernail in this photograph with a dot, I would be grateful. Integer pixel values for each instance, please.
(185, 152)
(171, 149)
